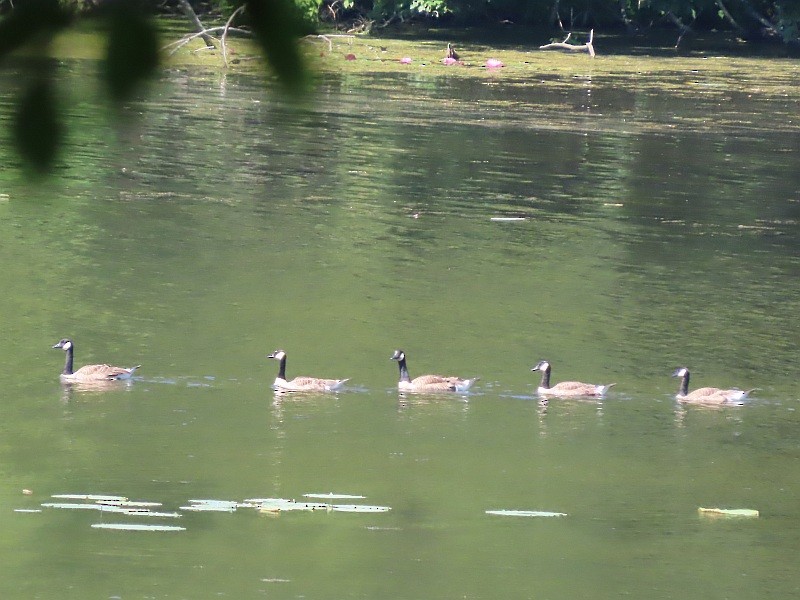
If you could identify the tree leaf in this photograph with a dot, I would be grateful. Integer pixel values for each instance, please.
(277, 26)
(31, 20)
(132, 53)
(38, 131)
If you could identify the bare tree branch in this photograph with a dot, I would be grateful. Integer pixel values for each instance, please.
(225, 35)
(198, 26)
(729, 17)
(178, 44)
(682, 27)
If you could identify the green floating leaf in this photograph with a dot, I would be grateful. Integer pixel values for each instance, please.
(37, 128)
(525, 513)
(132, 52)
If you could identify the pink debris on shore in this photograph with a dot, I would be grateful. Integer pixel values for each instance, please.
(406, 60)
(349, 56)
(493, 63)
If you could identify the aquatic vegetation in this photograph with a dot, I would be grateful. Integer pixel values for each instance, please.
(136, 527)
(121, 505)
(525, 513)
(748, 513)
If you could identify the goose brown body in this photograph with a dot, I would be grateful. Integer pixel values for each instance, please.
(428, 383)
(567, 389)
(708, 395)
(302, 383)
(87, 373)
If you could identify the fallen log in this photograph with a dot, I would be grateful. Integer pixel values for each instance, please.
(198, 26)
(587, 47)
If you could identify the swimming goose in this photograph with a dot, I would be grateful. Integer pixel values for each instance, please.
(91, 372)
(567, 389)
(707, 395)
(302, 384)
(428, 383)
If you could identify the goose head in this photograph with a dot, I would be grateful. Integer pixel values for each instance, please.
(398, 355)
(64, 344)
(277, 355)
(681, 372)
(542, 365)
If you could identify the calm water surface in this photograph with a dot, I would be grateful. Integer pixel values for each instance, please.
(219, 223)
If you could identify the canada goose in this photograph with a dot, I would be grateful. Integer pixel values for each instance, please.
(567, 388)
(707, 395)
(428, 383)
(302, 384)
(451, 52)
(91, 372)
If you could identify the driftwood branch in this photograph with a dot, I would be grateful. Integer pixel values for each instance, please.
(729, 17)
(198, 26)
(682, 27)
(328, 38)
(754, 14)
(587, 47)
(225, 35)
(178, 44)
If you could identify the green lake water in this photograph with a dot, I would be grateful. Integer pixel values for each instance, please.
(211, 223)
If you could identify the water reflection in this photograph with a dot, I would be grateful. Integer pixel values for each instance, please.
(561, 412)
(312, 397)
(71, 390)
(731, 412)
(406, 400)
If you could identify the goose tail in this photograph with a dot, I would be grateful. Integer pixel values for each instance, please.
(466, 384)
(605, 388)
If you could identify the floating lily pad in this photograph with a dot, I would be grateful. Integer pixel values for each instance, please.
(209, 502)
(150, 513)
(207, 508)
(93, 497)
(289, 505)
(728, 512)
(128, 503)
(525, 513)
(137, 527)
(209, 505)
(333, 496)
(77, 506)
(359, 508)
(110, 508)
